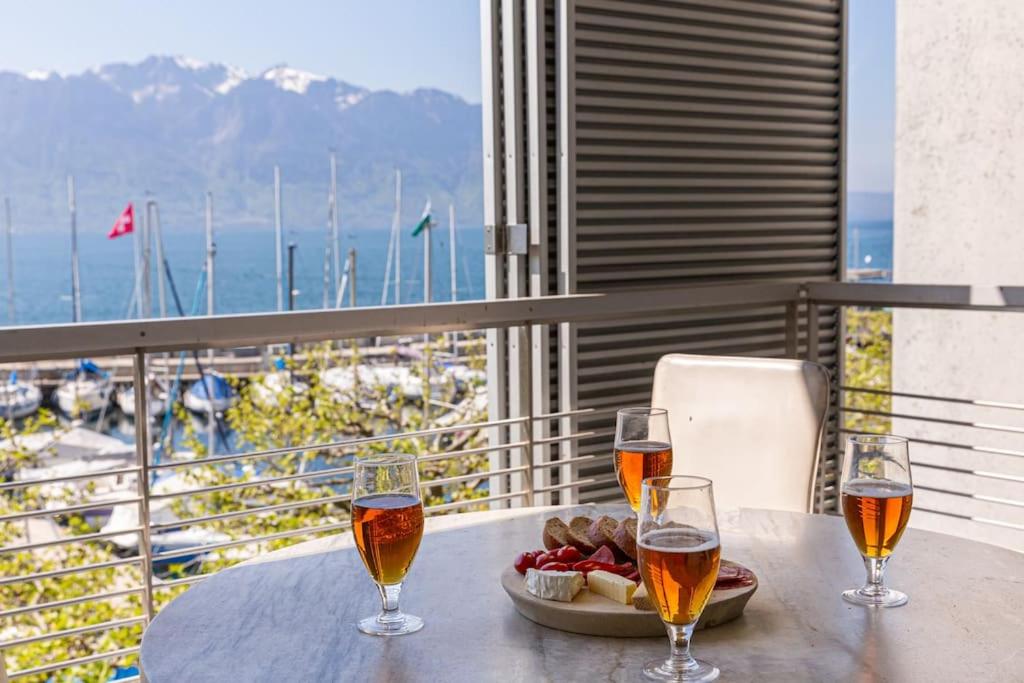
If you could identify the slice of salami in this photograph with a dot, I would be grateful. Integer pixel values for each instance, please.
(733, 575)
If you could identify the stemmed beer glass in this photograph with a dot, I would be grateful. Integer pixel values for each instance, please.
(643, 448)
(877, 494)
(387, 520)
(678, 550)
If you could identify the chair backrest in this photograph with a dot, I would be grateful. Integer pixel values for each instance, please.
(754, 426)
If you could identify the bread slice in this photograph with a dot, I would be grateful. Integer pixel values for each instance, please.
(578, 529)
(602, 531)
(625, 537)
(641, 600)
(556, 534)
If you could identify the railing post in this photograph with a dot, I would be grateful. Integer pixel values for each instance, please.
(813, 323)
(3, 668)
(527, 432)
(142, 460)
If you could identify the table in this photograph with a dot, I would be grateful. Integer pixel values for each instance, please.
(289, 616)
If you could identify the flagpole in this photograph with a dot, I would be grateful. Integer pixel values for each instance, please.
(327, 262)
(211, 251)
(335, 234)
(137, 267)
(278, 238)
(351, 268)
(387, 264)
(76, 291)
(158, 236)
(10, 261)
(452, 270)
(426, 262)
(147, 273)
(398, 236)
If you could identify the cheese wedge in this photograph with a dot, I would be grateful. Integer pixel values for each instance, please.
(549, 585)
(641, 600)
(612, 586)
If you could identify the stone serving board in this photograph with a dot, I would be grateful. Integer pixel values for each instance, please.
(595, 615)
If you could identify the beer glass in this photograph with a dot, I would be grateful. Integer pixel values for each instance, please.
(643, 448)
(877, 494)
(387, 521)
(678, 551)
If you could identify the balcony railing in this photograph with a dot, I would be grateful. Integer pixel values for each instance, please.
(522, 468)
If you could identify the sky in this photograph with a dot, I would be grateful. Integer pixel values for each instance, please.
(394, 44)
(872, 92)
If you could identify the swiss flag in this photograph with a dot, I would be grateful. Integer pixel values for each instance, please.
(124, 224)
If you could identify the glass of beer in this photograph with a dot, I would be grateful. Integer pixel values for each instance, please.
(678, 551)
(877, 494)
(643, 448)
(387, 521)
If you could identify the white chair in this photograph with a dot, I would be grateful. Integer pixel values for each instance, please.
(753, 426)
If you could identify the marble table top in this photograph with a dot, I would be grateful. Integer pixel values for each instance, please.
(290, 616)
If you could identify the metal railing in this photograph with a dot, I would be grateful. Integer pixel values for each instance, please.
(512, 478)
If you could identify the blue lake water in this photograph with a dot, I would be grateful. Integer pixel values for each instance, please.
(869, 244)
(245, 271)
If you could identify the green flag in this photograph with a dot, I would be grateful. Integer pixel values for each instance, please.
(424, 222)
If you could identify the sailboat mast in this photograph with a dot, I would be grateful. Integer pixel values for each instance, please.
(327, 263)
(427, 293)
(10, 261)
(335, 235)
(211, 251)
(76, 290)
(159, 239)
(398, 236)
(451, 251)
(278, 238)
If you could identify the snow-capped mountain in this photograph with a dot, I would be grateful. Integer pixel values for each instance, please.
(175, 126)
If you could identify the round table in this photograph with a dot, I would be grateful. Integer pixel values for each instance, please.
(290, 616)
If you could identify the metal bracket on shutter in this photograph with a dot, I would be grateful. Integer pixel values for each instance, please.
(507, 239)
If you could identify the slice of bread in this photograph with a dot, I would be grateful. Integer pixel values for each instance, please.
(602, 531)
(578, 538)
(556, 534)
(641, 600)
(625, 537)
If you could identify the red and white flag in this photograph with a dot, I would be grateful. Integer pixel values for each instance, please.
(124, 224)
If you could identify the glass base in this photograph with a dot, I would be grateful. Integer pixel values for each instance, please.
(885, 597)
(394, 625)
(662, 670)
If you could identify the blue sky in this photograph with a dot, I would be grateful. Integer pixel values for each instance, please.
(396, 44)
(872, 92)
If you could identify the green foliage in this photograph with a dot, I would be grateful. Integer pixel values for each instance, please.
(316, 413)
(868, 365)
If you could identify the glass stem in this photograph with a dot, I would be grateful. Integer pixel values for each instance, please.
(389, 603)
(876, 575)
(680, 660)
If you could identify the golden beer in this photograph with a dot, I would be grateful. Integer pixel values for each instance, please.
(388, 528)
(876, 513)
(679, 567)
(638, 460)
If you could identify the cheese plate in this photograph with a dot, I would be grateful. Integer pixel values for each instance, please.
(595, 615)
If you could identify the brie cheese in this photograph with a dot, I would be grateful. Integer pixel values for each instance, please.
(549, 585)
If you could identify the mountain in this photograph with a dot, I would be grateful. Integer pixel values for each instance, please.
(175, 127)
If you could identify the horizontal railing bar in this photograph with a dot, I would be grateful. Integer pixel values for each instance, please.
(959, 297)
(946, 399)
(940, 420)
(970, 518)
(70, 477)
(331, 445)
(57, 604)
(474, 475)
(577, 413)
(68, 509)
(68, 663)
(248, 541)
(578, 460)
(433, 509)
(950, 444)
(576, 435)
(54, 635)
(255, 483)
(6, 581)
(326, 500)
(43, 342)
(184, 581)
(968, 494)
(576, 483)
(448, 455)
(70, 539)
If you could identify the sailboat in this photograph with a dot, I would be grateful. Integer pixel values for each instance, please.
(267, 390)
(212, 393)
(156, 398)
(18, 399)
(85, 392)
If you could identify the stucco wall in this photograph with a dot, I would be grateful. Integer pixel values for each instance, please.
(959, 219)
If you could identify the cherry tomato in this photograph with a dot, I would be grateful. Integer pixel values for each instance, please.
(525, 561)
(568, 554)
(544, 558)
(554, 567)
